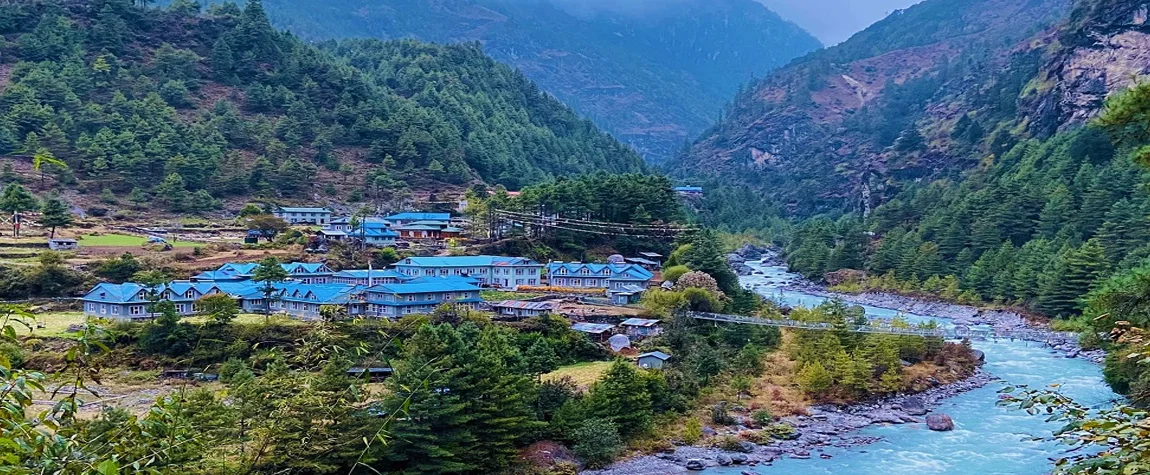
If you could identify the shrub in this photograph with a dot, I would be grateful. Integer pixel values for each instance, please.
(781, 431)
(720, 415)
(755, 436)
(672, 274)
(597, 442)
(693, 431)
(728, 443)
(97, 212)
(762, 417)
(13, 353)
(230, 368)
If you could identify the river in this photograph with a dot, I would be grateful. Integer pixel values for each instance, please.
(987, 439)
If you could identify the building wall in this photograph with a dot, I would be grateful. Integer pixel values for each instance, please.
(651, 362)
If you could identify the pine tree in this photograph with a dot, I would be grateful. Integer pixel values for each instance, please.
(430, 432)
(1075, 274)
(541, 357)
(621, 397)
(54, 214)
(499, 399)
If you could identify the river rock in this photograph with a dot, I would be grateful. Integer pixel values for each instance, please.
(739, 459)
(914, 406)
(723, 460)
(979, 356)
(746, 447)
(709, 432)
(939, 422)
(696, 464)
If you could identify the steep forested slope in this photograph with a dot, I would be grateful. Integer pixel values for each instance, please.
(654, 73)
(1041, 220)
(824, 133)
(188, 108)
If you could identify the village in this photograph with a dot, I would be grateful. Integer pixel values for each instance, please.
(600, 298)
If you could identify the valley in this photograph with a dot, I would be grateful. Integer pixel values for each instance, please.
(553, 237)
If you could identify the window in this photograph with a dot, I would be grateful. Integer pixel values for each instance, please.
(584, 271)
(411, 298)
(116, 310)
(577, 282)
(518, 271)
(561, 271)
(519, 281)
(136, 310)
(530, 281)
(190, 294)
(103, 309)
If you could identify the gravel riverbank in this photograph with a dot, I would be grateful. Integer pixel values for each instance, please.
(1006, 320)
(825, 426)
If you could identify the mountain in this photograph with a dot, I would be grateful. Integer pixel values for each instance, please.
(654, 73)
(1047, 198)
(180, 109)
(842, 128)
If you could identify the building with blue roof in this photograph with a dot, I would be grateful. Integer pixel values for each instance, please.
(689, 190)
(369, 277)
(410, 217)
(320, 216)
(653, 360)
(372, 230)
(305, 272)
(624, 283)
(422, 295)
(494, 271)
(132, 301)
(305, 300)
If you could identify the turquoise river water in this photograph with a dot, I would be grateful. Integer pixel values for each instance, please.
(987, 439)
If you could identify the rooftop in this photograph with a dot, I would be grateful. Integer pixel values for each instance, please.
(639, 322)
(523, 305)
(594, 328)
(656, 354)
(305, 210)
(467, 261)
(413, 216)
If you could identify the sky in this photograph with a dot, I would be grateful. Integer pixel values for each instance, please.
(833, 21)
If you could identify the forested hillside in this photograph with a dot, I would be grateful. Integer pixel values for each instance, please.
(182, 108)
(1056, 224)
(654, 73)
(906, 99)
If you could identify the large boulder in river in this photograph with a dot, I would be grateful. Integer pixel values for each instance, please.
(696, 464)
(914, 406)
(939, 422)
(723, 460)
(978, 356)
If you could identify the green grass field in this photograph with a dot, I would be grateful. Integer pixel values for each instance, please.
(584, 374)
(54, 324)
(124, 240)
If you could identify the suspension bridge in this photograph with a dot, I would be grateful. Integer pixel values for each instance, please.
(955, 333)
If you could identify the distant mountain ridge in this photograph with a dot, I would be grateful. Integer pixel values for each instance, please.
(840, 128)
(654, 74)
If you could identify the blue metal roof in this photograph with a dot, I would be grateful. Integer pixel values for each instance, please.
(689, 189)
(657, 354)
(325, 294)
(305, 210)
(467, 261)
(617, 271)
(426, 285)
(592, 327)
(419, 217)
(375, 274)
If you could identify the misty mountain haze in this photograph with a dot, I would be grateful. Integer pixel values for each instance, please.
(654, 73)
(833, 21)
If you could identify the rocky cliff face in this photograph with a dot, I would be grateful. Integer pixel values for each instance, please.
(1106, 50)
(925, 94)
